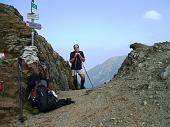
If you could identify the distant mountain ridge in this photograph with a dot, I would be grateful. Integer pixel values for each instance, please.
(105, 71)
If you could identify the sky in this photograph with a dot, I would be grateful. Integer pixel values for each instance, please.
(102, 28)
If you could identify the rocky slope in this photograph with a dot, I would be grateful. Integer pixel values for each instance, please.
(105, 71)
(138, 96)
(14, 35)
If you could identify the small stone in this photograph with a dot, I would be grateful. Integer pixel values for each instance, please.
(110, 86)
(150, 87)
(144, 103)
(156, 101)
(101, 124)
(143, 123)
(151, 97)
(159, 62)
(113, 118)
(116, 122)
(156, 92)
(150, 77)
(140, 65)
(120, 121)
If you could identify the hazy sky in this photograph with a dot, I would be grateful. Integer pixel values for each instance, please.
(103, 28)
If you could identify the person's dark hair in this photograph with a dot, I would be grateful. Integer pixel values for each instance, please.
(76, 46)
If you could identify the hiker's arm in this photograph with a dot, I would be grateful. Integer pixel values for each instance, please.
(72, 58)
(82, 58)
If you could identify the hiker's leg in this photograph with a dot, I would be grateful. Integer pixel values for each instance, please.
(74, 75)
(82, 76)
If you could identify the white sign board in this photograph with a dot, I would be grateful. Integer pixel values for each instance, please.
(34, 25)
(33, 16)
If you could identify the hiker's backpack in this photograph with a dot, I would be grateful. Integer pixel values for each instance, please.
(39, 95)
(43, 98)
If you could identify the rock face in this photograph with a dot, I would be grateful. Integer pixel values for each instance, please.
(14, 35)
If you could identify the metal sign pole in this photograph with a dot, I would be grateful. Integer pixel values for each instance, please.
(32, 33)
(32, 20)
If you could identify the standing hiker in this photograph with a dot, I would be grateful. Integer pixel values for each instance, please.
(76, 59)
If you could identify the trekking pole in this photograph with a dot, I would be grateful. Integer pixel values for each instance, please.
(88, 76)
(21, 117)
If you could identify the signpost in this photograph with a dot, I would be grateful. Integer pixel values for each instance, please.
(33, 16)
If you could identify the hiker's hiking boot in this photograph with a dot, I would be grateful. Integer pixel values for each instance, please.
(82, 84)
(82, 87)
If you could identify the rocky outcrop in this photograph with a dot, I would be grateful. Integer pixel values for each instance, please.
(140, 54)
(14, 35)
(146, 72)
(136, 97)
(137, 46)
